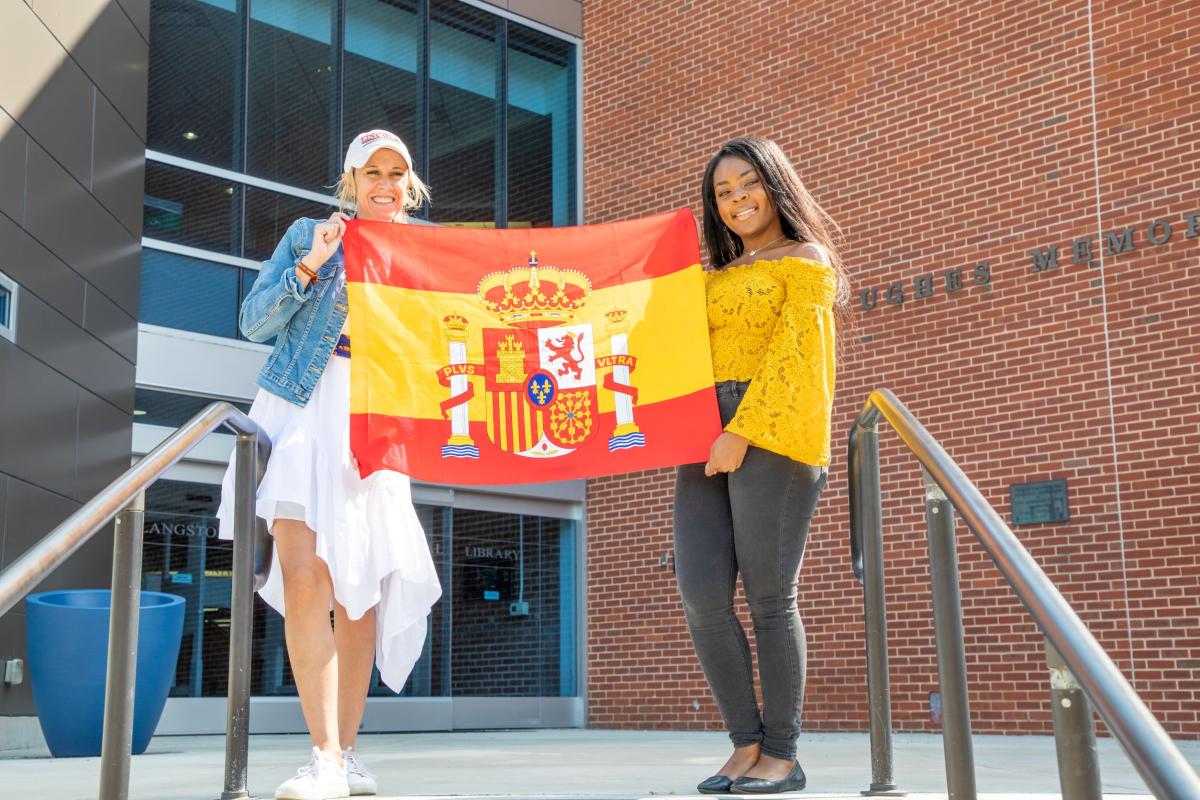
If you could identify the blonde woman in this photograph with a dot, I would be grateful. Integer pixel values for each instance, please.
(341, 543)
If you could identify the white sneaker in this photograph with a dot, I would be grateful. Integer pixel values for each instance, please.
(359, 777)
(320, 779)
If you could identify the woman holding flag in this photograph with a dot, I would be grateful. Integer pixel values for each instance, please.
(772, 292)
(354, 546)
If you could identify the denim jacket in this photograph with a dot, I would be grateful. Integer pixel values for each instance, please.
(306, 322)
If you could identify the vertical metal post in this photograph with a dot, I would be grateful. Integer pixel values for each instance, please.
(123, 616)
(870, 517)
(1074, 732)
(237, 730)
(951, 652)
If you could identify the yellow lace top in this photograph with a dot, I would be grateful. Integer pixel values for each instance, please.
(771, 323)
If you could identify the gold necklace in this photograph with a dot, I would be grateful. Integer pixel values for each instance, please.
(756, 250)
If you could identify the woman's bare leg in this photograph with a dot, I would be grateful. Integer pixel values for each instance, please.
(355, 656)
(307, 591)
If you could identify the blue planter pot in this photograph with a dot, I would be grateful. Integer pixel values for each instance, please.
(68, 653)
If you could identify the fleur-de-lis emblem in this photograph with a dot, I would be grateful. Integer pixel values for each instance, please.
(540, 389)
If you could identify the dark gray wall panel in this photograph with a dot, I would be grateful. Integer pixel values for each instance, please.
(71, 172)
(12, 168)
(139, 12)
(17, 700)
(105, 439)
(94, 243)
(119, 174)
(105, 320)
(52, 338)
(45, 91)
(3, 499)
(30, 514)
(39, 426)
(95, 30)
(39, 271)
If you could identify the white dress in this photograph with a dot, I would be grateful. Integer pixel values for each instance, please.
(367, 530)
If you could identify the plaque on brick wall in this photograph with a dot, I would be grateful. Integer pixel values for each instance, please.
(1039, 502)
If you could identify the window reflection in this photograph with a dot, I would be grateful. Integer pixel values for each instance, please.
(513, 601)
(190, 209)
(463, 62)
(270, 214)
(291, 98)
(383, 40)
(188, 293)
(194, 67)
(541, 129)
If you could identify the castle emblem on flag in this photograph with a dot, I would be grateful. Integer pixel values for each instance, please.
(539, 368)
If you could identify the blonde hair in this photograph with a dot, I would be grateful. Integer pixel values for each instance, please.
(416, 196)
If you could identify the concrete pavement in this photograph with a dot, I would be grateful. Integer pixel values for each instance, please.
(548, 764)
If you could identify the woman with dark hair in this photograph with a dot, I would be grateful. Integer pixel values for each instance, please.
(772, 292)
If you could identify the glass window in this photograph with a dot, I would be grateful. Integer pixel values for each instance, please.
(541, 129)
(505, 626)
(152, 407)
(292, 97)
(269, 215)
(182, 555)
(189, 208)
(383, 38)
(463, 61)
(8, 308)
(513, 605)
(194, 67)
(188, 293)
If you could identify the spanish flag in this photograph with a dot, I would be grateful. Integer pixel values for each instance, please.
(516, 356)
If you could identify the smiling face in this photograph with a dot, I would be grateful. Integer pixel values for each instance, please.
(381, 186)
(744, 203)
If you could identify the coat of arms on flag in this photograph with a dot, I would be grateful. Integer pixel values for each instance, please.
(587, 356)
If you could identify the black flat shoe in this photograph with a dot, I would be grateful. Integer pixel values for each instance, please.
(794, 782)
(717, 784)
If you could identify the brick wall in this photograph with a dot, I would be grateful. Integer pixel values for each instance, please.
(942, 135)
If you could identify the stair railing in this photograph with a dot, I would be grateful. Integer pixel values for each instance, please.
(124, 500)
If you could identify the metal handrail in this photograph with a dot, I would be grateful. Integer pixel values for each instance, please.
(123, 499)
(1156, 757)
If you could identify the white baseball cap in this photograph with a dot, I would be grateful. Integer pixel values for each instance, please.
(365, 144)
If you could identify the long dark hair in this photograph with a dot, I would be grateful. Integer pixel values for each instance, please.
(803, 220)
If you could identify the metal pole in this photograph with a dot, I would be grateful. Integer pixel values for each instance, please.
(1074, 732)
(865, 466)
(951, 654)
(237, 726)
(123, 615)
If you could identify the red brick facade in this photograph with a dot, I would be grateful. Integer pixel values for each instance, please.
(942, 135)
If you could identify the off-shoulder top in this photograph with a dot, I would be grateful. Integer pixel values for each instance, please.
(771, 323)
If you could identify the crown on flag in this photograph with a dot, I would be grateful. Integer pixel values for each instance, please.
(534, 295)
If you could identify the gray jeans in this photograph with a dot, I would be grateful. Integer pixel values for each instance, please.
(753, 521)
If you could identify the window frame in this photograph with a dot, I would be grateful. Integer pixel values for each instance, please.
(8, 328)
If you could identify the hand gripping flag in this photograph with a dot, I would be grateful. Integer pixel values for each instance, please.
(514, 356)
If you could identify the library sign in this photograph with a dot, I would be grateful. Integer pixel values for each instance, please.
(1081, 251)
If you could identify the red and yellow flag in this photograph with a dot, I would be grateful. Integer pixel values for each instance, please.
(514, 356)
